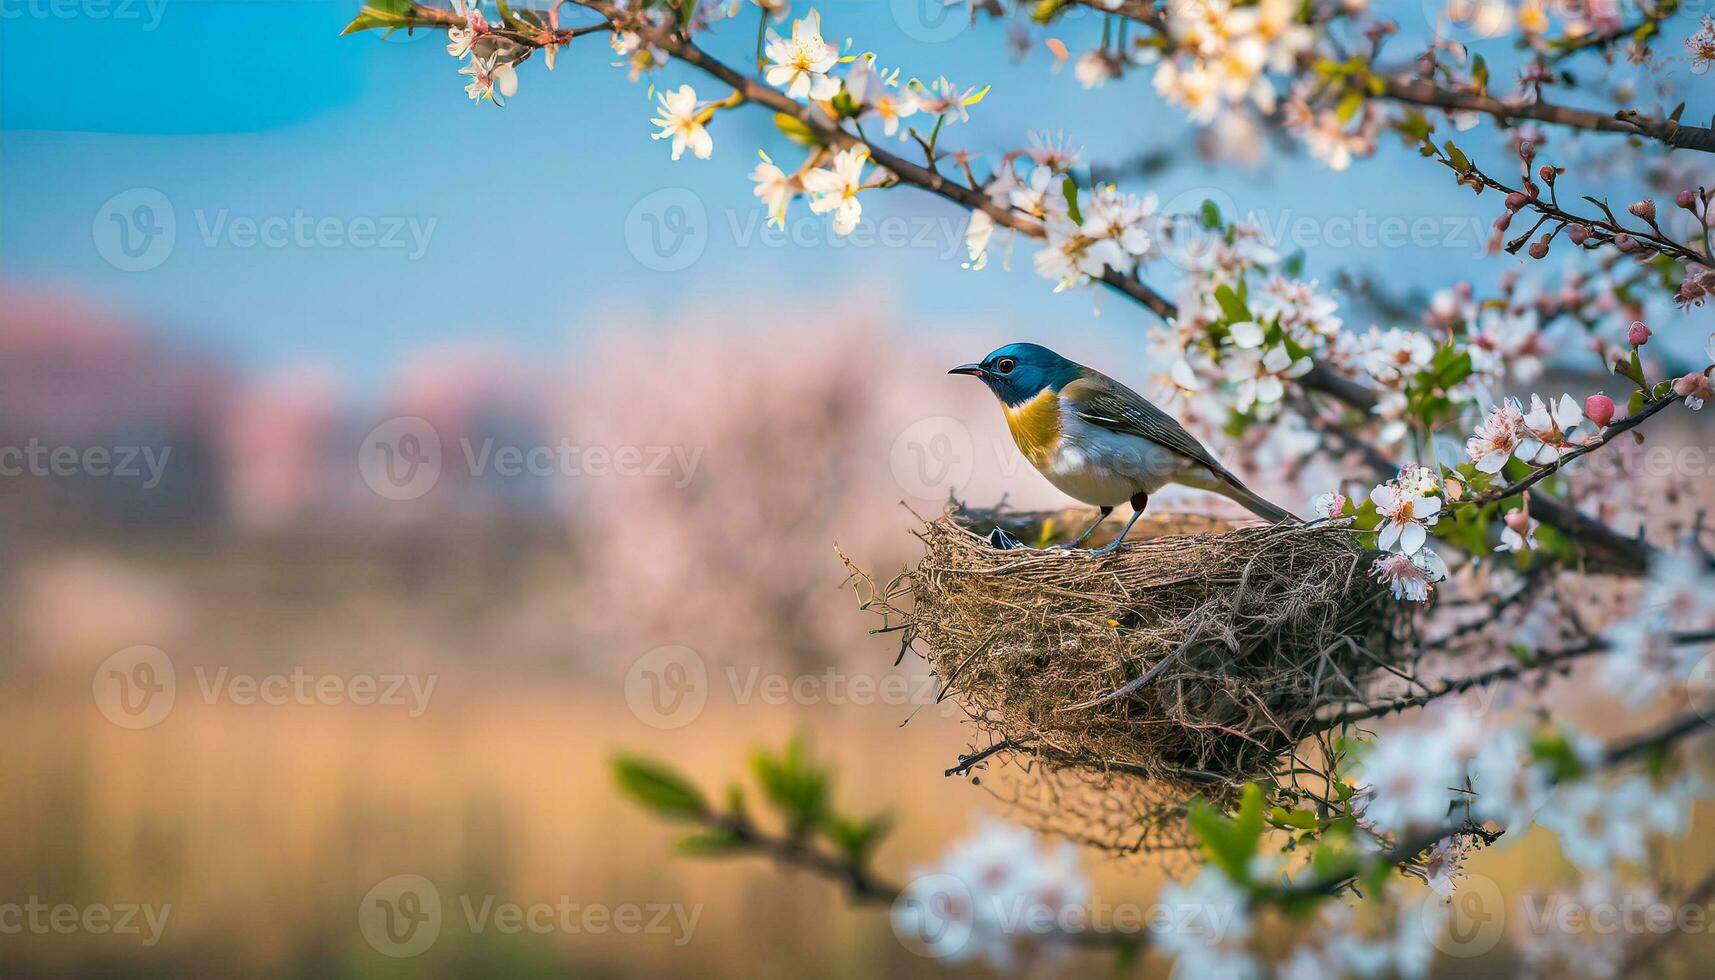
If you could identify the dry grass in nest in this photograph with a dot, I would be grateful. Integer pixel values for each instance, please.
(1185, 664)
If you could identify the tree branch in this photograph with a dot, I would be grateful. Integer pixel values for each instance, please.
(1692, 722)
(1625, 555)
(1423, 92)
(1543, 661)
(1418, 91)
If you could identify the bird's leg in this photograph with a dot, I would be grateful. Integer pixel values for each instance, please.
(1139, 501)
(1100, 517)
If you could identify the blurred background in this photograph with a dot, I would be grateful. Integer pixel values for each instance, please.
(377, 464)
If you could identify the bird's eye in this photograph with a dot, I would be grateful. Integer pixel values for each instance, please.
(1005, 365)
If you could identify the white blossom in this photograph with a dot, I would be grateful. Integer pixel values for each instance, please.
(835, 188)
(681, 121)
(800, 64)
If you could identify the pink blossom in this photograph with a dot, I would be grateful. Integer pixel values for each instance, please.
(1599, 408)
(1496, 437)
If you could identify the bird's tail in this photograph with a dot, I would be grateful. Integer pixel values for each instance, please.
(1232, 489)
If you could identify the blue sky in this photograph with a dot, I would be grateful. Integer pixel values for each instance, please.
(511, 224)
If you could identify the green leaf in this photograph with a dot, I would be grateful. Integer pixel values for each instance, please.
(796, 131)
(1460, 162)
(1553, 749)
(391, 14)
(1349, 105)
(1299, 819)
(1452, 365)
(1415, 125)
(857, 839)
(1211, 215)
(710, 843)
(1480, 73)
(793, 785)
(657, 787)
(1070, 188)
(1045, 10)
(1230, 842)
(1232, 307)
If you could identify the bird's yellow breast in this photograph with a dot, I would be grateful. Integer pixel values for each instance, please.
(1035, 426)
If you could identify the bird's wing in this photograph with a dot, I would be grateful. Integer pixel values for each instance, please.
(1100, 400)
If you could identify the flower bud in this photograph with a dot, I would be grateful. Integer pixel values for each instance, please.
(1685, 199)
(1539, 248)
(1502, 220)
(1637, 334)
(1625, 243)
(1527, 151)
(1644, 209)
(1518, 520)
(1599, 408)
(1578, 233)
(1516, 200)
(1546, 172)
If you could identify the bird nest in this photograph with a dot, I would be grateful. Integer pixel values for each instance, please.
(1115, 688)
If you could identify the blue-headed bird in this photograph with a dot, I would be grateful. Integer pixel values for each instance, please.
(1097, 440)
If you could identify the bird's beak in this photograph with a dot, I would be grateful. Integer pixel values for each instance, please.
(974, 370)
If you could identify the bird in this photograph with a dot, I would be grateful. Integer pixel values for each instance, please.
(1097, 440)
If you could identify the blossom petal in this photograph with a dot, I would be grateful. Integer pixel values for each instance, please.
(1412, 538)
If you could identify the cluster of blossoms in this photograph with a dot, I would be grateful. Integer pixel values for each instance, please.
(1408, 506)
(490, 61)
(1113, 233)
(1589, 951)
(1325, 131)
(1417, 779)
(1110, 230)
(1401, 945)
(1539, 436)
(1223, 52)
(1209, 929)
(1695, 386)
(1702, 46)
(1643, 660)
(1391, 358)
(1210, 925)
(1285, 326)
(802, 66)
(986, 890)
